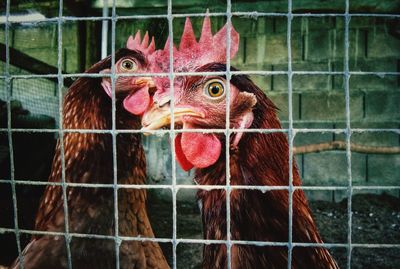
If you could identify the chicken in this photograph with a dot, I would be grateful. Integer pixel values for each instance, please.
(255, 159)
(89, 159)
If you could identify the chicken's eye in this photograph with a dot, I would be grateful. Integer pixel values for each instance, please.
(128, 65)
(215, 89)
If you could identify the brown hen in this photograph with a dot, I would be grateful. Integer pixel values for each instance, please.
(89, 159)
(255, 159)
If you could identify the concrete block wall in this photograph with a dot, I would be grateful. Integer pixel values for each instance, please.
(319, 100)
(317, 44)
(39, 40)
(38, 95)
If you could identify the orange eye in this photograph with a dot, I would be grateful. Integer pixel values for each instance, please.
(215, 89)
(128, 65)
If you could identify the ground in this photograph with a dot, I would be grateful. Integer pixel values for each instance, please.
(375, 220)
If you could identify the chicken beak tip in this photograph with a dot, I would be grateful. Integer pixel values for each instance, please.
(145, 131)
(161, 117)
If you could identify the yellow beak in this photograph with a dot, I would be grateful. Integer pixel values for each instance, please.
(158, 117)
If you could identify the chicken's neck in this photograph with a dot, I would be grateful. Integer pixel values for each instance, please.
(88, 158)
(260, 159)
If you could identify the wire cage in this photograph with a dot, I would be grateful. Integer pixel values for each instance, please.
(331, 67)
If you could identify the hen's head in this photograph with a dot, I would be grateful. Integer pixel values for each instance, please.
(191, 56)
(201, 104)
(131, 60)
(89, 98)
(200, 101)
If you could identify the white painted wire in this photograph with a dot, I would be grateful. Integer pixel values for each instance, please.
(117, 238)
(227, 135)
(291, 133)
(8, 82)
(348, 133)
(67, 237)
(253, 15)
(172, 132)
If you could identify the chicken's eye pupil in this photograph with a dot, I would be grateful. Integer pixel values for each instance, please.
(215, 89)
(128, 65)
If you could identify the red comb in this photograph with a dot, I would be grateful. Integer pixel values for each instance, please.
(192, 54)
(141, 45)
(209, 48)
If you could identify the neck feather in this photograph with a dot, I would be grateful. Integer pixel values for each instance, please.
(260, 159)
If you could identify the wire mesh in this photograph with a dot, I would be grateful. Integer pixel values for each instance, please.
(348, 130)
(67, 237)
(291, 132)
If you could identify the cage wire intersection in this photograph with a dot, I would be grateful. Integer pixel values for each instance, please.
(174, 187)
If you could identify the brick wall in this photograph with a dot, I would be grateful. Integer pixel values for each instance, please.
(319, 100)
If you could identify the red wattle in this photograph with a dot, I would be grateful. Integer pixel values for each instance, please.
(138, 102)
(201, 150)
(180, 156)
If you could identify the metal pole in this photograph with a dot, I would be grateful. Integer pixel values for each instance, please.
(104, 31)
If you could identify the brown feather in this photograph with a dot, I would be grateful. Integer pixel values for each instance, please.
(89, 159)
(259, 159)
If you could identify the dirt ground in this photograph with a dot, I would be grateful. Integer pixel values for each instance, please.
(375, 220)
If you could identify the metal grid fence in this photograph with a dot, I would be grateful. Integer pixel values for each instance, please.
(174, 187)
